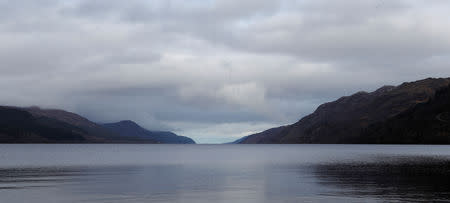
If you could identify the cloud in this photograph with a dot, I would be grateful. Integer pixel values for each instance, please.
(248, 95)
(202, 67)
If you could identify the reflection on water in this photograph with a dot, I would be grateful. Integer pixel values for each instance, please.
(21, 178)
(283, 174)
(155, 183)
(400, 178)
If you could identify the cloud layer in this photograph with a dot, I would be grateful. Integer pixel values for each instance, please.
(213, 70)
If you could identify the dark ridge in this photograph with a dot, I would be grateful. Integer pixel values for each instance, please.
(36, 125)
(384, 116)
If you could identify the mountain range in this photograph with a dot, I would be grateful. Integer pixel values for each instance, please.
(411, 113)
(36, 125)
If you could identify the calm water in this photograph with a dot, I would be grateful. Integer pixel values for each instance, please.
(223, 173)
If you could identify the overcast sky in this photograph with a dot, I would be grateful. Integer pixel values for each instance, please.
(213, 70)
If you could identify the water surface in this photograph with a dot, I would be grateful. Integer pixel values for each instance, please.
(224, 173)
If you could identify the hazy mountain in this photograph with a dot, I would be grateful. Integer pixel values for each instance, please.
(92, 129)
(237, 141)
(36, 125)
(409, 113)
(130, 128)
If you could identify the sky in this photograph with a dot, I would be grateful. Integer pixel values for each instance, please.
(213, 70)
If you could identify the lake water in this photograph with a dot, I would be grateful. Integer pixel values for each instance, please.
(224, 173)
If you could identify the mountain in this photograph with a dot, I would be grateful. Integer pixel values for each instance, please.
(129, 128)
(413, 112)
(93, 131)
(20, 126)
(36, 125)
(427, 123)
(237, 141)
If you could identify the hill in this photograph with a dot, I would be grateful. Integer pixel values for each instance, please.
(375, 117)
(36, 125)
(131, 129)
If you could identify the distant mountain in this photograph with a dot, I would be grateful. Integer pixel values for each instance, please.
(131, 129)
(238, 140)
(36, 125)
(93, 131)
(414, 112)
